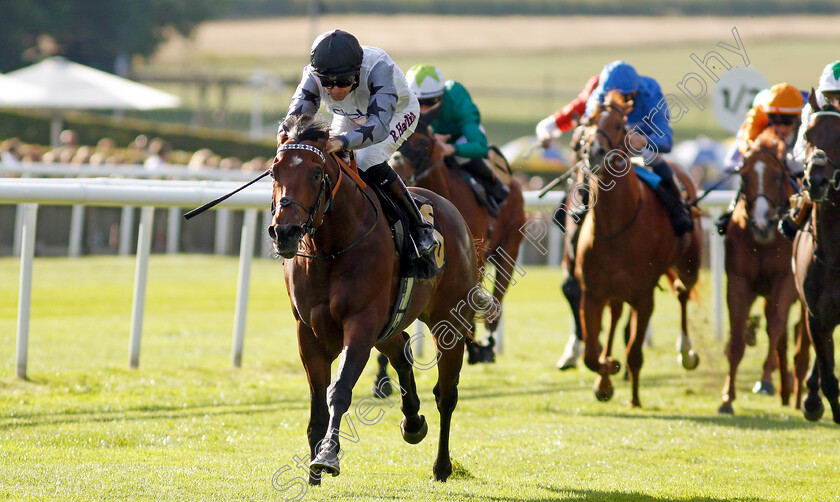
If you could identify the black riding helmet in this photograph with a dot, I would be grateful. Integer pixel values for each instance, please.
(335, 53)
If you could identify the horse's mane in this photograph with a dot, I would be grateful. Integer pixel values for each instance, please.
(304, 128)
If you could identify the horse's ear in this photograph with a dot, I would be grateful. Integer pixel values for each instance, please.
(812, 100)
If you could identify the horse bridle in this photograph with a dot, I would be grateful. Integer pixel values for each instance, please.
(780, 207)
(820, 158)
(309, 227)
(605, 134)
(419, 159)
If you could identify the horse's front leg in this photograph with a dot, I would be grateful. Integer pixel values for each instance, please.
(398, 349)
(450, 352)
(591, 310)
(688, 357)
(359, 332)
(739, 299)
(316, 362)
(821, 337)
(640, 317)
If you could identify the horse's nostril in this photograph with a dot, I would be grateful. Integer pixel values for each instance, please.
(272, 233)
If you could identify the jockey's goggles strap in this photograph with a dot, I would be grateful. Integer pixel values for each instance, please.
(300, 146)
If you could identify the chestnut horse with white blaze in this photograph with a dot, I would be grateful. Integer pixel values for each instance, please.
(626, 244)
(757, 262)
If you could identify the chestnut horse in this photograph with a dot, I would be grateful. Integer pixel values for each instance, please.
(342, 275)
(626, 244)
(757, 262)
(421, 163)
(816, 256)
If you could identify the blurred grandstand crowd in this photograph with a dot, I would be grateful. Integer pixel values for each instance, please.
(152, 153)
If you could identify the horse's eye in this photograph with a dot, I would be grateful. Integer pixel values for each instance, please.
(316, 176)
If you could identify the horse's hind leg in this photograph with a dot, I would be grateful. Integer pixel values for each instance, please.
(398, 350)
(571, 290)
(449, 343)
(382, 383)
(777, 318)
(800, 358)
(821, 336)
(607, 360)
(688, 357)
(640, 317)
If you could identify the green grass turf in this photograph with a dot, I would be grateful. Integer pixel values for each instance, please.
(186, 426)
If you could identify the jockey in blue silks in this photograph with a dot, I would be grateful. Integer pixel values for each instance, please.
(649, 116)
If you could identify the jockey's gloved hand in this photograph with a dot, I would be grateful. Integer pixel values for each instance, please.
(547, 130)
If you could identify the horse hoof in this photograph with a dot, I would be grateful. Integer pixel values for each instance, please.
(764, 388)
(325, 463)
(414, 437)
(812, 412)
(442, 472)
(690, 361)
(726, 409)
(603, 390)
(564, 365)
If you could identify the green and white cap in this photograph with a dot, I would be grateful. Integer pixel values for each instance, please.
(830, 78)
(425, 81)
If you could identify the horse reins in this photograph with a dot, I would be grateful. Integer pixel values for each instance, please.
(309, 227)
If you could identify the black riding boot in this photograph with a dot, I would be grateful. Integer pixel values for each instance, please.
(422, 232)
(680, 214)
(481, 170)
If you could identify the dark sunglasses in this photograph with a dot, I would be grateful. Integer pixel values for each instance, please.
(429, 101)
(328, 82)
(779, 119)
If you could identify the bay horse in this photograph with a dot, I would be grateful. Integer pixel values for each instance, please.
(757, 263)
(816, 255)
(626, 244)
(420, 162)
(342, 274)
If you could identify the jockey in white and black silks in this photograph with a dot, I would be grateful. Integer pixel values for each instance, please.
(373, 110)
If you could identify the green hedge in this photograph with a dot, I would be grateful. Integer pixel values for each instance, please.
(34, 128)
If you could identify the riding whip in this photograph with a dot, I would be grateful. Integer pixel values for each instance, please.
(556, 181)
(709, 190)
(205, 207)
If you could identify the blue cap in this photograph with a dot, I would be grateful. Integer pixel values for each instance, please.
(619, 76)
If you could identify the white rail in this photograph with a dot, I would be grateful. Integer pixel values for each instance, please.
(149, 194)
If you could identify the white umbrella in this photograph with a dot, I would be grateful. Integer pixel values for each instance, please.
(70, 85)
(14, 92)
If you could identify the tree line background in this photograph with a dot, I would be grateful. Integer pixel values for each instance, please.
(100, 33)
